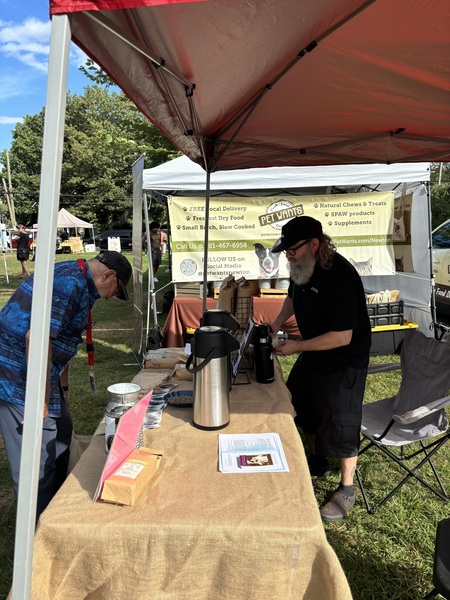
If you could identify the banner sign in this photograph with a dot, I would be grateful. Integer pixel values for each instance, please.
(242, 231)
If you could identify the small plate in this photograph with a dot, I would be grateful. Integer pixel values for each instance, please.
(180, 398)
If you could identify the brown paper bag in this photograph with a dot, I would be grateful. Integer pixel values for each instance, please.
(164, 359)
(226, 300)
(126, 483)
(182, 374)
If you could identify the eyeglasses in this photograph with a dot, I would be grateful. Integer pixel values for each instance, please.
(291, 251)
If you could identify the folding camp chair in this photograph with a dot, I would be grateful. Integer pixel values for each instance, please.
(416, 415)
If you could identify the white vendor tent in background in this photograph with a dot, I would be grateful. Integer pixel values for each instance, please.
(183, 177)
(69, 221)
(234, 85)
(66, 219)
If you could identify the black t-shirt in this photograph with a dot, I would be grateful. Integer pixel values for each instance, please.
(23, 241)
(333, 300)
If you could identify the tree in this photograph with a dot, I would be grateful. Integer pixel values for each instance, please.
(439, 170)
(440, 203)
(440, 193)
(104, 135)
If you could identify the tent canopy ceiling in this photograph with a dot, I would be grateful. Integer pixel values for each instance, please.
(66, 219)
(292, 82)
(181, 174)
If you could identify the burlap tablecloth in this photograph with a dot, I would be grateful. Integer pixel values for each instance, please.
(194, 533)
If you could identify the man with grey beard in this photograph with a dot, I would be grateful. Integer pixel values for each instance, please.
(327, 382)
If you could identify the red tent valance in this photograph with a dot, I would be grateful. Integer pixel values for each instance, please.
(69, 6)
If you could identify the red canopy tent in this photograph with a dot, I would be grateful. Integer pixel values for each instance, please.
(237, 84)
(293, 82)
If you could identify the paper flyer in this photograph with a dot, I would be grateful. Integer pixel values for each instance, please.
(251, 453)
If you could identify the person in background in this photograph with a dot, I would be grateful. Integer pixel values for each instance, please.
(155, 244)
(64, 236)
(77, 285)
(23, 249)
(163, 242)
(327, 381)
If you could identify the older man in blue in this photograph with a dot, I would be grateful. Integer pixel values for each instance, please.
(77, 285)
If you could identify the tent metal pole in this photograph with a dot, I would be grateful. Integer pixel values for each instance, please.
(430, 252)
(41, 306)
(151, 302)
(205, 252)
(147, 326)
(4, 245)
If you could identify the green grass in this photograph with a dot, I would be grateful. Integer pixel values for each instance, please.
(386, 556)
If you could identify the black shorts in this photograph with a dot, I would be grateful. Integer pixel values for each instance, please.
(156, 259)
(23, 254)
(329, 406)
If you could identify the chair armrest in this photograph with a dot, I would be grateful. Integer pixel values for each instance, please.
(383, 368)
(422, 411)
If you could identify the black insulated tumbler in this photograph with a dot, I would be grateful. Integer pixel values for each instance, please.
(262, 343)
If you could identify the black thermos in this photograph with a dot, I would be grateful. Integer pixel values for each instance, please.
(262, 343)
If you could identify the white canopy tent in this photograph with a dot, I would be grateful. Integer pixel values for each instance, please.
(182, 174)
(238, 84)
(66, 219)
(183, 177)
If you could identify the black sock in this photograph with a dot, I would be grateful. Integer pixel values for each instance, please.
(346, 490)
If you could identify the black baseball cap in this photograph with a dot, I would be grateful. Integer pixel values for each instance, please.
(298, 228)
(118, 263)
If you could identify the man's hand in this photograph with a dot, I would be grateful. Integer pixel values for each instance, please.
(287, 347)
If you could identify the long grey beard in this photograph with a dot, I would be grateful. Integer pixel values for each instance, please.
(302, 272)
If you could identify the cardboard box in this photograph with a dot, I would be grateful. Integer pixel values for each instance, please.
(164, 359)
(125, 485)
(188, 290)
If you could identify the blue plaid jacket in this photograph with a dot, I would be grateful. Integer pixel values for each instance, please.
(73, 296)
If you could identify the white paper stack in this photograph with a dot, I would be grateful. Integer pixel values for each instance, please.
(251, 453)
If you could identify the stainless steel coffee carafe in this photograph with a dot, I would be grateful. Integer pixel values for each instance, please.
(211, 347)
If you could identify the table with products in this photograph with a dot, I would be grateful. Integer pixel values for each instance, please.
(73, 245)
(194, 533)
(186, 313)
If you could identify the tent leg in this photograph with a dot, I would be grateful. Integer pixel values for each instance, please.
(430, 245)
(205, 253)
(41, 305)
(151, 283)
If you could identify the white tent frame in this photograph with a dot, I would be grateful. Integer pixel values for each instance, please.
(183, 177)
(41, 306)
